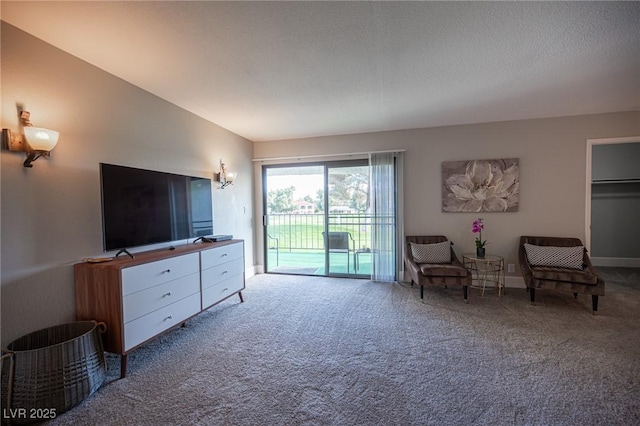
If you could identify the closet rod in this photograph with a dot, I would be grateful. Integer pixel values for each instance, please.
(346, 154)
(599, 181)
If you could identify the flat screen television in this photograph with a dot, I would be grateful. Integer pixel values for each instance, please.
(142, 207)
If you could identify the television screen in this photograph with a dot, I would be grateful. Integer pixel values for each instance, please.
(141, 207)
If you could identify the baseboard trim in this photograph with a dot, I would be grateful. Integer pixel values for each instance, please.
(624, 262)
(514, 282)
(509, 280)
(253, 270)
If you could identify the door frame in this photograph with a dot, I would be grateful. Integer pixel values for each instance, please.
(326, 165)
(588, 178)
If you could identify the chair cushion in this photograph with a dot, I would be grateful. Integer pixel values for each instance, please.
(450, 270)
(431, 253)
(564, 274)
(553, 256)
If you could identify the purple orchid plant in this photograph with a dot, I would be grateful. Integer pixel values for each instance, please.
(478, 226)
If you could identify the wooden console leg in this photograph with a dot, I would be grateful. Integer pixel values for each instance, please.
(421, 291)
(532, 292)
(594, 303)
(465, 291)
(123, 366)
(241, 298)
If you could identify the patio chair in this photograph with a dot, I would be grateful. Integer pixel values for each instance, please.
(339, 242)
(557, 263)
(430, 260)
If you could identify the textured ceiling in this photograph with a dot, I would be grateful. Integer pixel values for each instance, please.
(281, 70)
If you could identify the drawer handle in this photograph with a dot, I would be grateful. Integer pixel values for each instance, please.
(166, 271)
(225, 289)
(167, 294)
(168, 318)
(225, 272)
(224, 254)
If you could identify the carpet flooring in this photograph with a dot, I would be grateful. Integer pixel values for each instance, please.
(326, 351)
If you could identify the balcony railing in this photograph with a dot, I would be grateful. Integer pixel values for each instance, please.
(296, 243)
(304, 231)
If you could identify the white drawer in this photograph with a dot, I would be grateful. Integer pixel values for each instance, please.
(222, 272)
(139, 277)
(219, 255)
(221, 290)
(142, 302)
(146, 327)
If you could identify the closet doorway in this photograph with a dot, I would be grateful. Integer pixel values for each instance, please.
(612, 216)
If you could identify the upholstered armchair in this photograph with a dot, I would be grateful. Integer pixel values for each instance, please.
(562, 264)
(431, 260)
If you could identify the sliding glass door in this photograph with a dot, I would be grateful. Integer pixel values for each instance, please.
(316, 219)
(348, 238)
(293, 202)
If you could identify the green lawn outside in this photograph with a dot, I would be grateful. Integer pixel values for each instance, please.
(304, 231)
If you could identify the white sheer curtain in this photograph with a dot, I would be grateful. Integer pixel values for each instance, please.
(386, 208)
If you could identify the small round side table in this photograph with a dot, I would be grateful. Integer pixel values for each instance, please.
(487, 269)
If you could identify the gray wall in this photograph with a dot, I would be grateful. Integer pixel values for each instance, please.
(552, 155)
(615, 207)
(51, 213)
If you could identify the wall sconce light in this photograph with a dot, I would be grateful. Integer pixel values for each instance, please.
(36, 141)
(225, 177)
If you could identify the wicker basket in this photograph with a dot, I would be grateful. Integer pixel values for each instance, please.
(52, 370)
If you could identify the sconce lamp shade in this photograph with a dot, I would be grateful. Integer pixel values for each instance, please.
(41, 139)
(36, 142)
(230, 177)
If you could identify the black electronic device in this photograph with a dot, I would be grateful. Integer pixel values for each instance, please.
(220, 237)
(142, 207)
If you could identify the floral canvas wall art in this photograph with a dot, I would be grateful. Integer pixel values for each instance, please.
(481, 185)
